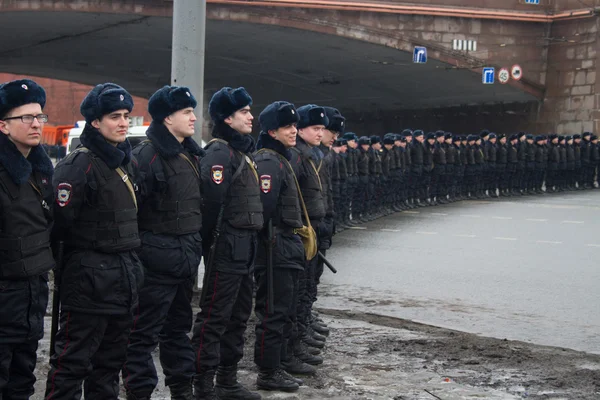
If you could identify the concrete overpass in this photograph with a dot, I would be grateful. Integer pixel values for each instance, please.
(353, 55)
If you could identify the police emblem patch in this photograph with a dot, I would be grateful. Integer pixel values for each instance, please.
(216, 173)
(122, 97)
(265, 183)
(24, 86)
(63, 194)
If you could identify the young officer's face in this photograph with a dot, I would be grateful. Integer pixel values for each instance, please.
(21, 133)
(181, 123)
(312, 134)
(352, 144)
(328, 138)
(286, 135)
(113, 127)
(241, 121)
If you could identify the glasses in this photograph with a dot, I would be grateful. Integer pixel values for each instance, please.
(28, 119)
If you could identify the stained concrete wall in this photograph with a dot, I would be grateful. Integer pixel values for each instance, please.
(572, 97)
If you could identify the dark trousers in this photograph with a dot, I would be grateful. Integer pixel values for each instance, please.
(218, 333)
(305, 289)
(17, 362)
(90, 349)
(163, 316)
(275, 322)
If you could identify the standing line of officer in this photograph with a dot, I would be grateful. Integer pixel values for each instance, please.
(414, 169)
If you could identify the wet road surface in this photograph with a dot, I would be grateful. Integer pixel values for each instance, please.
(523, 268)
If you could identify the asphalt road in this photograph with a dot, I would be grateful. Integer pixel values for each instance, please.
(523, 268)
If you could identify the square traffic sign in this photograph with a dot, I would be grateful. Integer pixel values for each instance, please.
(488, 75)
(420, 55)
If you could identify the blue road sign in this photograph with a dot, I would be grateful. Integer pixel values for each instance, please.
(532, 1)
(420, 55)
(488, 76)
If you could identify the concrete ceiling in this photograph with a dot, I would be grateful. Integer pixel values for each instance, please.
(273, 63)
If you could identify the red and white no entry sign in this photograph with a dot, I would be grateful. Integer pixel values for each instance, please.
(516, 72)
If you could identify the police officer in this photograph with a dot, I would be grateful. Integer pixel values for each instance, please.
(96, 217)
(169, 219)
(553, 164)
(540, 167)
(512, 165)
(282, 211)
(388, 168)
(352, 182)
(594, 160)
(562, 165)
(578, 161)
(491, 160)
(375, 177)
(571, 180)
(428, 164)
(522, 170)
(25, 222)
(502, 181)
(417, 154)
(339, 176)
(232, 208)
(361, 196)
(450, 177)
(438, 173)
(326, 229)
(306, 163)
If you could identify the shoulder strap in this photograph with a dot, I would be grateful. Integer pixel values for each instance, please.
(128, 183)
(183, 156)
(286, 162)
(312, 164)
(122, 174)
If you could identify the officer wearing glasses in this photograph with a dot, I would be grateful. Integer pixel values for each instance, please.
(25, 221)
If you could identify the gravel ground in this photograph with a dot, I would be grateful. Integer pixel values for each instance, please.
(373, 357)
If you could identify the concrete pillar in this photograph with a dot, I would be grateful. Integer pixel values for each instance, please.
(187, 57)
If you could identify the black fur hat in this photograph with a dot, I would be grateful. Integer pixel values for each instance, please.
(169, 99)
(350, 136)
(337, 123)
(389, 139)
(375, 139)
(364, 140)
(418, 133)
(104, 99)
(227, 101)
(17, 93)
(310, 115)
(276, 115)
(439, 134)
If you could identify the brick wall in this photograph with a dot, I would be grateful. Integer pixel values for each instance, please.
(64, 98)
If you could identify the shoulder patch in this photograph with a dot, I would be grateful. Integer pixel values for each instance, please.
(63, 194)
(265, 183)
(216, 174)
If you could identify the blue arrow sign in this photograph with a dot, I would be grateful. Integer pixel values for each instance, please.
(488, 75)
(420, 55)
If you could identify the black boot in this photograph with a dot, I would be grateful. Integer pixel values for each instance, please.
(181, 391)
(273, 379)
(204, 386)
(321, 329)
(310, 331)
(294, 366)
(292, 378)
(303, 355)
(312, 342)
(228, 387)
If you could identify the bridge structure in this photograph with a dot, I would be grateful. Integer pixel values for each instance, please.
(351, 54)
